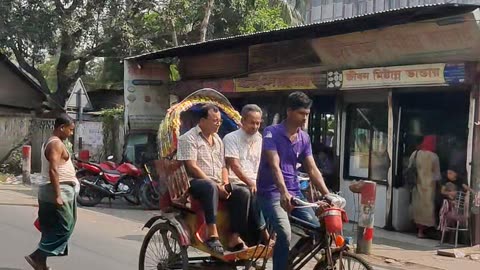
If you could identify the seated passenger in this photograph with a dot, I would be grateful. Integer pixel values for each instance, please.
(243, 149)
(202, 151)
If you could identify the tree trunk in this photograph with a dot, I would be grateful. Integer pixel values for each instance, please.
(206, 19)
(174, 34)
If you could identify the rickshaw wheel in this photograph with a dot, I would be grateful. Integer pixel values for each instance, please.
(161, 249)
(349, 261)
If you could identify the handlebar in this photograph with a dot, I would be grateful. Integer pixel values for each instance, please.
(332, 199)
(300, 204)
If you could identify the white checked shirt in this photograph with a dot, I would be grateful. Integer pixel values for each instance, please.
(247, 149)
(193, 146)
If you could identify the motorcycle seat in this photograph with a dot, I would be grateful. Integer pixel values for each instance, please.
(111, 171)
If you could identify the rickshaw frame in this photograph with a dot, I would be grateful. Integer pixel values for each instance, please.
(185, 222)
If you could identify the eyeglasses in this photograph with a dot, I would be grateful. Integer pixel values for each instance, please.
(217, 121)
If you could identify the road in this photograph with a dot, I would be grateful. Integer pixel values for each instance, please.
(105, 237)
(100, 241)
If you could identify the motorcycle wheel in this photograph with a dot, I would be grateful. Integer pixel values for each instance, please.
(133, 197)
(88, 196)
(149, 197)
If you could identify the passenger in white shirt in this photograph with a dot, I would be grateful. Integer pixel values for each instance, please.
(243, 149)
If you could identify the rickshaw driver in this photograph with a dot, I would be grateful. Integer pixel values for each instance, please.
(202, 151)
(284, 147)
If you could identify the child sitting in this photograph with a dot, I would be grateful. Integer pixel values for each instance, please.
(452, 183)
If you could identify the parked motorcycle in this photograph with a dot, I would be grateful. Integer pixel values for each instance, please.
(149, 191)
(107, 165)
(97, 182)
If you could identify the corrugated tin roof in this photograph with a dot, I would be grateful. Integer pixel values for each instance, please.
(320, 29)
(28, 79)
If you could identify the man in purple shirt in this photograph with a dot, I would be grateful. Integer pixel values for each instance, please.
(285, 147)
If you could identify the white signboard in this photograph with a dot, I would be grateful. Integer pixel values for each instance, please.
(394, 76)
(92, 137)
(398, 76)
(79, 89)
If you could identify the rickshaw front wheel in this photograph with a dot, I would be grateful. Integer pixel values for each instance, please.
(161, 249)
(349, 261)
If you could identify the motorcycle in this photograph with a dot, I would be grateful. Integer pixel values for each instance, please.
(149, 193)
(97, 182)
(107, 165)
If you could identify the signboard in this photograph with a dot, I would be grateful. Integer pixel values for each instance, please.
(146, 94)
(73, 100)
(224, 86)
(398, 76)
(92, 137)
(273, 83)
(442, 40)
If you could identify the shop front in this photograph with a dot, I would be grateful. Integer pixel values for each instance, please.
(385, 113)
(270, 92)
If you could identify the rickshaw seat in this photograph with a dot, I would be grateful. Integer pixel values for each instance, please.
(174, 175)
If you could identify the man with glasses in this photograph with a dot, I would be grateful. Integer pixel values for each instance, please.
(202, 151)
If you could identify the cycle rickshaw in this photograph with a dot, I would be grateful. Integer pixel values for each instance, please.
(181, 224)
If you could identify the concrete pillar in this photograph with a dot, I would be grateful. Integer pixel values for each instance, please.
(367, 190)
(26, 164)
(475, 164)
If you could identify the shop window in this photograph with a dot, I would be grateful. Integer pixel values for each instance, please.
(321, 128)
(366, 155)
(140, 148)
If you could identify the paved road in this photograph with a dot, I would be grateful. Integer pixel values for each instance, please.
(105, 237)
(99, 242)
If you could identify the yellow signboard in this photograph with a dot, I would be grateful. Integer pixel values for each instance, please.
(429, 74)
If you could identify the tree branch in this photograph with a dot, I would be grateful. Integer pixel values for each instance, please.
(206, 19)
(67, 11)
(59, 6)
(95, 51)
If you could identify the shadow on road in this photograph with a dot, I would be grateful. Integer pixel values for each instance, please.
(121, 209)
(138, 238)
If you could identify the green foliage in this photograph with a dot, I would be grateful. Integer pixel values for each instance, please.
(263, 17)
(58, 41)
(109, 116)
(13, 164)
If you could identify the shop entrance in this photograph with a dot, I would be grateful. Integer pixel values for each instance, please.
(321, 126)
(443, 114)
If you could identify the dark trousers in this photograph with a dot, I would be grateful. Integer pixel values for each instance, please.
(206, 192)
(243, 209)
(245, 214)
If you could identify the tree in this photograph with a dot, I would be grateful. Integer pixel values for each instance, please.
(206, 19)
(74, 32)
(263, 16)
(58, 41)
(293, 11)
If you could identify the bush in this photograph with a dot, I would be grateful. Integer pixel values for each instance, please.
(13, 164)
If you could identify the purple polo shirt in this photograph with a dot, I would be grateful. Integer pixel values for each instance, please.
(290, 153)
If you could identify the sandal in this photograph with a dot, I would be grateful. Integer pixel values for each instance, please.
(238, 247)
(214, 245)
(32, 263)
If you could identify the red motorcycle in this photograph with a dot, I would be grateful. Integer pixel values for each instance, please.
(98, 181)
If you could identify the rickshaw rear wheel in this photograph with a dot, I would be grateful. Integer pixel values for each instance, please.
(350, 261)
(161, 249)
